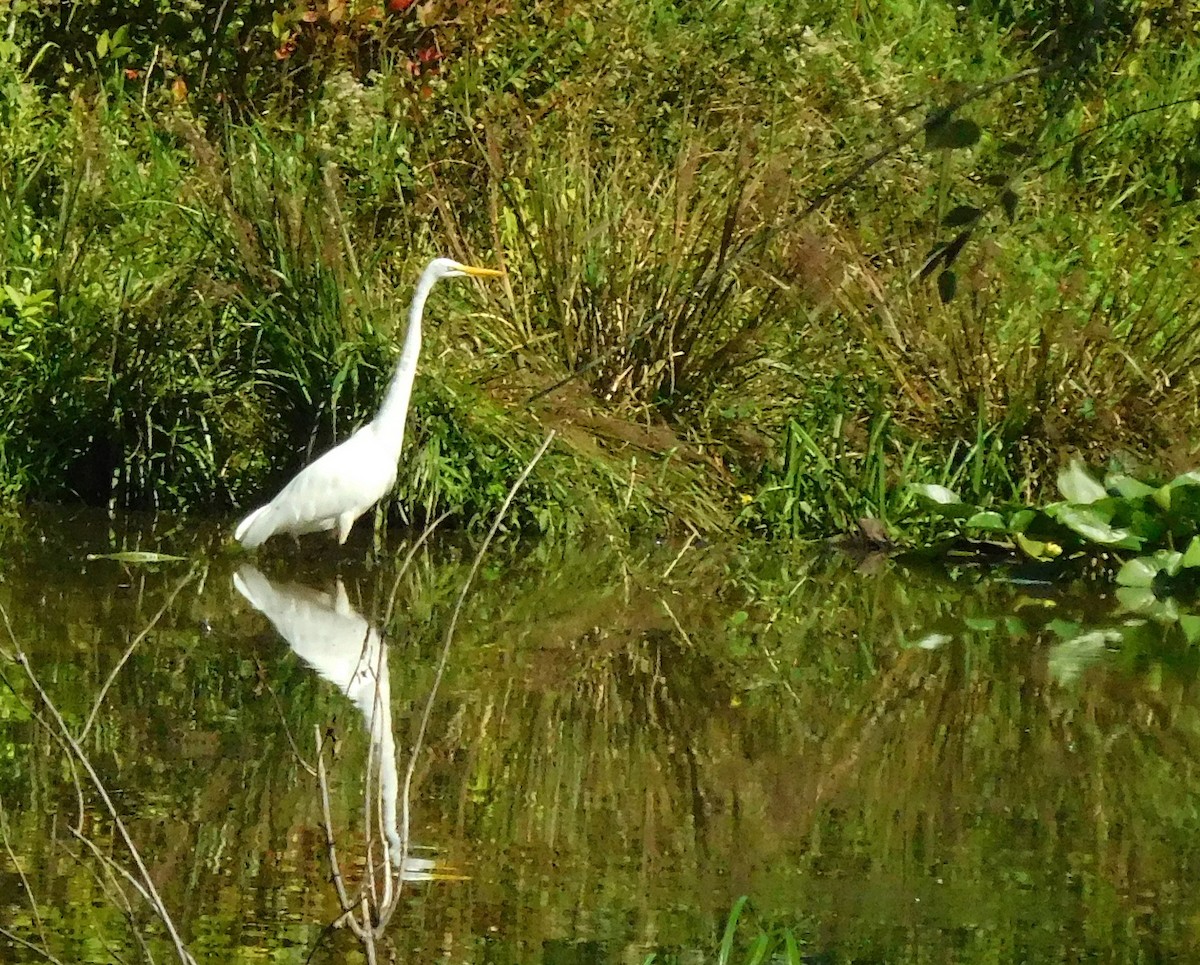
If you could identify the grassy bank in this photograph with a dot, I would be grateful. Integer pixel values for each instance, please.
(792, 256)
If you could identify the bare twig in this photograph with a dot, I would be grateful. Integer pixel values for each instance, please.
(441, 667)
(287, 731)
(421, 540)
(12, 856)
(113, 890)
(45, 953)
(339, 882)
(156, 902)
(129, 651)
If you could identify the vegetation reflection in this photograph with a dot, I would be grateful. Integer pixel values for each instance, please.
(892, 762)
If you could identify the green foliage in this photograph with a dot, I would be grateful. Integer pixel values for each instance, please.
(805, 253)
(1145, 536)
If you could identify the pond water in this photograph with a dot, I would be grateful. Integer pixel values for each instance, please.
(895, 764)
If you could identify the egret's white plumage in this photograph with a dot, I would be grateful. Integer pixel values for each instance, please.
(332, 492)
(336, 640)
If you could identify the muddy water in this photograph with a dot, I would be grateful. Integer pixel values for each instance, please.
(896, 765)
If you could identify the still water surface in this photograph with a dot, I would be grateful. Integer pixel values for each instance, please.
(897, 765)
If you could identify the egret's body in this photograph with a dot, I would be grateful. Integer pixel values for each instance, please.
(332, 492)
(335, 640)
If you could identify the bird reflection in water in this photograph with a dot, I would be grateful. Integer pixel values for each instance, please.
(335, 640)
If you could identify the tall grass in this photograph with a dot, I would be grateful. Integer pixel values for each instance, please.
(714, 222)
(631, 276)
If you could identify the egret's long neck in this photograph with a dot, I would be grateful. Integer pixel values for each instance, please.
(389, 423)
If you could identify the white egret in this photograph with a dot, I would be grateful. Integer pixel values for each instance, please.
(332, 492)
(333, 638)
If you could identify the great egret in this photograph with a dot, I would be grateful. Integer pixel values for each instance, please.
(335, 640)
(350, 478)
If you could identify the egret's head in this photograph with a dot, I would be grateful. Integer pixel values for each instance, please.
(449, 268)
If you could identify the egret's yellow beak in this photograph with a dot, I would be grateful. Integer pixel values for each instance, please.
(481, 272)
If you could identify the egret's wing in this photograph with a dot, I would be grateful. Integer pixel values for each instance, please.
(349, 477)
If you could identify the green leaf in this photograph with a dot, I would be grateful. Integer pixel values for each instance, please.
(1067, 660)
(1191, 556)
(1189, 478)
(758, 951)
(982, 624)
(951, 134)
(947, 284)
(1020, 521)
(937, 494)
(791, 949)
(1092, 526)
(1037, 549)
(1143, 601)
(1148, 527)
(1162, 496)
(1189, 623)
(1063, 629)
(726, 949)
(1128, 487)
(946, 502)
(992, 522)
(1078, 486)
(136, 556)
(1169, 561)
(1136, 599)
(1138, 572)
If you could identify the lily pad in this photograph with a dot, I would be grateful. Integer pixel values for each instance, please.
(1038, 549)
(1142, 600)
(1128, 487)
(1077, 485)
(1190, 625)
(1138, 572)
(987, 520)
(946, 501)
(1020, 521)
(1191, 556)
(938, 494)
(1092, 525)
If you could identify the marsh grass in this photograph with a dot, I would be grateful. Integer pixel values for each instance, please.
(727, 305)
(634, 275)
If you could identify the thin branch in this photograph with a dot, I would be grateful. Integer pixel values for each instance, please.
(112, 890)
(421, 540)
(32, 947)
(155, 899)
(441, 667)
(339, 883)
(129, 652)
(12, 856)
(287, 731)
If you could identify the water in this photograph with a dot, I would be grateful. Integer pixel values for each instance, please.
(897, 765)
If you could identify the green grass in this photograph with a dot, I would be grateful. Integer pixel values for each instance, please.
(731, 250)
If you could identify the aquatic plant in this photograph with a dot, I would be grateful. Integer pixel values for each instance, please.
(1142, 535)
